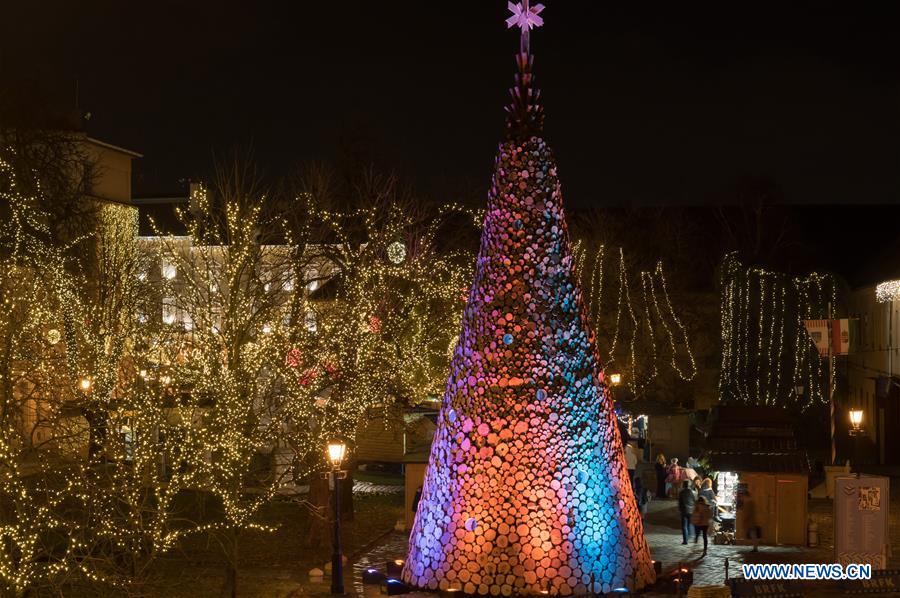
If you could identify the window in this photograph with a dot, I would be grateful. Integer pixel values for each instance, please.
(169, 311)
(310, 320)
(169, 271)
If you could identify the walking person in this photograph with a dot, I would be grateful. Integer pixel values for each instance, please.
(686, 501)
(674, 477)
(752, 528)
(707, 492)
(631, 460)
(700, 518)
(640, 495)
(660, 467)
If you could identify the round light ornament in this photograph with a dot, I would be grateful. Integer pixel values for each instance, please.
(53, 336)
(396, 252)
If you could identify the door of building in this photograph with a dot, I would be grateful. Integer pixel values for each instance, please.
(790, 502)
(760, 488)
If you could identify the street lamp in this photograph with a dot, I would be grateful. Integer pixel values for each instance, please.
(337, 448)
(856, 417)
(856, 430)
(615, 379)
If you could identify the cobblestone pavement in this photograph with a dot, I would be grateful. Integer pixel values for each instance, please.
(662, 527)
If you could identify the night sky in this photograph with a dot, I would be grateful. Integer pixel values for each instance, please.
(647, 104)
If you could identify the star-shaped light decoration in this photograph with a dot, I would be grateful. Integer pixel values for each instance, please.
(525, 19)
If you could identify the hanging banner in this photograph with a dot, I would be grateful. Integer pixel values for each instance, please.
(844, 336)
(818, 332)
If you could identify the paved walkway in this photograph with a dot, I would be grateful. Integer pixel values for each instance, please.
(662, 527)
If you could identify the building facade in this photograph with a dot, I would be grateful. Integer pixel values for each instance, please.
(873, 373)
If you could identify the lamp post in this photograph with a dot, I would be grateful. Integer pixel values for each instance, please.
(336, 451)
(615, 379)
(856, 430)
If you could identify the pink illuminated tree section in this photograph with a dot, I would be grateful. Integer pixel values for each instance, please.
(526, 490)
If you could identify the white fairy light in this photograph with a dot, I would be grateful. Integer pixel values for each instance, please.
(887, 291)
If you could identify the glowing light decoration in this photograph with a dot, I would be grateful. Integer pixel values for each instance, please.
(374, 324)
(526, 490)
(294, 358)
(53, 336)
(766, 351)
(888, 291)
(396, 252)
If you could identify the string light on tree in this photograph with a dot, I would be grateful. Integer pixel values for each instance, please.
(640, 322)
(766, 352)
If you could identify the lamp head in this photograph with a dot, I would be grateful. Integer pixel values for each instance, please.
(856, 417)
(337, 448)
(615, 379)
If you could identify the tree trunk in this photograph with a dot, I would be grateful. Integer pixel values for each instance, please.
(97, 430)
(229, 587)
(320, 516)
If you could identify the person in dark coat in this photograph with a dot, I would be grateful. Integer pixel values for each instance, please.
(640, 495)
(700, 518)
(686, 501)
(660, 467)
(707, 492)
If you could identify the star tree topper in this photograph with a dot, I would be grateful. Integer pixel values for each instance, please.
(523, 16)
(526, 17)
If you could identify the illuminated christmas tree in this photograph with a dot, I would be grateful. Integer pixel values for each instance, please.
(527, 489)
